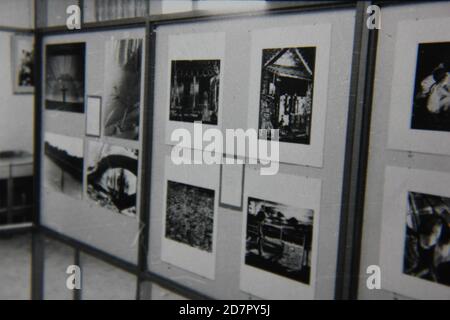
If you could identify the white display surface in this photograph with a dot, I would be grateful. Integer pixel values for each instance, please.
(237, 76)
(79, 219)
(182, 255)
(398, 182)
(401, 137)
(299, 192)
(317, 36)
(198, 46)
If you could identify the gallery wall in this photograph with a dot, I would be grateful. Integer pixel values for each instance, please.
(76, 216)
(381, 155)
(16, 110)
(237, 76)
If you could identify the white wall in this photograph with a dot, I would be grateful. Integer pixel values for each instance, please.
(16, 111)
(17, 13)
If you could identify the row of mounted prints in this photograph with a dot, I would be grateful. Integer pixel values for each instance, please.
(279, 236)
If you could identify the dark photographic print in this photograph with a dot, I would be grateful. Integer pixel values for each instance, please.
(120, 9)
(286, 93)
(427, 244)
(123, 88)
(194, 91)
(431, 102)
(63, 164)
(279, 239)
(64, 77)
(22, 55)
(112, 177)
(190, 215)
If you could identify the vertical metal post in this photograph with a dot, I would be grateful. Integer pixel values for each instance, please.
(356, 153)
(37, 244)
(146, 168)
(77, 293)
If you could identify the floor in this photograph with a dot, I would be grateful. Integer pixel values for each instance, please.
(99, 280)
(15, 271)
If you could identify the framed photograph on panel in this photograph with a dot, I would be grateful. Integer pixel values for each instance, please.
(189, 238)
(122, 92)
(63, 164)
(22, 62)
(112, 177)
(195, 82)
(288, 89)
(93, 116)
(420, 97)
(64, 77)
(415, 239)
(280, 236)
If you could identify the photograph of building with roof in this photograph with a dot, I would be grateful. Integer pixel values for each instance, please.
(286, 93)
(427, 239)
(123, 88)
(279, 239)
(63, 164)
(64, 77)
(190, 215)
(112, 177)
(194, 91)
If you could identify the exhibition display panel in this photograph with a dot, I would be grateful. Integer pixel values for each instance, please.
(128, 107)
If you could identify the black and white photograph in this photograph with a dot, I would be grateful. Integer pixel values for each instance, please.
(190, 215)
(63, 164)
(22, 55)
(64, 77)
(123, 64)
(279, 239)
(427, 239)
(286, 92)
(194, 91)
(120, 9)
(431, 103)
(112, 181)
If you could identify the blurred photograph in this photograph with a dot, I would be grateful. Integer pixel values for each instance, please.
(427, 244)
(123, 88)
(431, 103)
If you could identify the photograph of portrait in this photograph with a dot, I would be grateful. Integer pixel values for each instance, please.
(112, 181)
(194, 91)
(415, 239)
(122, 93)
(279, 239)
(190, 215)
(63, 164)
(427, 238)
(64, 77)
(22, 55)
(431, 104)
(286, 93)
(419, 110)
